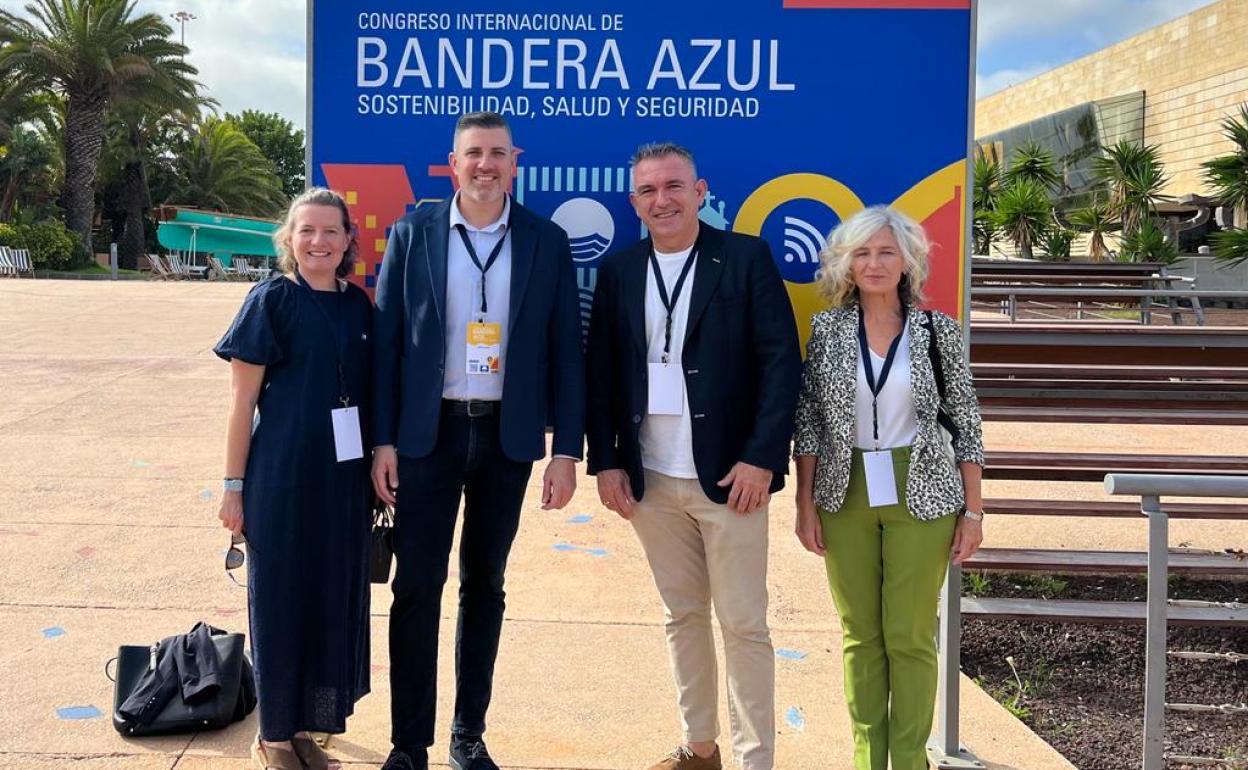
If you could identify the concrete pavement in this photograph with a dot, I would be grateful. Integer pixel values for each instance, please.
(111, 433)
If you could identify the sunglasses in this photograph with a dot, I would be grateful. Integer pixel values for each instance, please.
(235, 557)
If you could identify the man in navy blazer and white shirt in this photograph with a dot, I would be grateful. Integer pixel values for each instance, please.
(477, 349)
(694, 378)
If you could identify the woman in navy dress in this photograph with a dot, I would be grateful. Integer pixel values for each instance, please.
(297, 485)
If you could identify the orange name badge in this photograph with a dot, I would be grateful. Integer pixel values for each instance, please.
(484, 348)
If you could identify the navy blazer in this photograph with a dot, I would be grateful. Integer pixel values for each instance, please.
(742, 362)
(544, 374)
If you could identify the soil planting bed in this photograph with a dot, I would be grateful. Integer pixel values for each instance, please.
(1081, 687)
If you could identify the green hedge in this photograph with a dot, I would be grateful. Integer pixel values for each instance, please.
(51, 246)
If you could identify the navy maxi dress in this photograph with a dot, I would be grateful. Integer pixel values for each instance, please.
(306, 516)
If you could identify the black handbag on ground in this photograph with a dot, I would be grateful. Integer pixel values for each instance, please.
(186, 683)
(382, 552)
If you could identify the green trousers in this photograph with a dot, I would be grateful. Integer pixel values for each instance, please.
(886, 568)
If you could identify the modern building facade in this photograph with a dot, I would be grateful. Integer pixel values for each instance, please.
(1170, 86)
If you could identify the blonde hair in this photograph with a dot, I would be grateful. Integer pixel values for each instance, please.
(315, 196)
(835, 279)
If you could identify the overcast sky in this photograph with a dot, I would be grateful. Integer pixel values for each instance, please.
(250, 53)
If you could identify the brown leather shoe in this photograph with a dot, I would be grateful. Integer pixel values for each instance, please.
(683, 758)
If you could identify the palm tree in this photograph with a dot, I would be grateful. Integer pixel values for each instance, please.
(987, 187)
(1024, 212)
(28, 166)
(96, 53)
(1230, 247)
(1148, 244)
(219, 168)
(1097, 220)
(1227, 175)
(1134, 177)
(1035, 162)
(139, 133)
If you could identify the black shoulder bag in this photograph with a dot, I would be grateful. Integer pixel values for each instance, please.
(938, 369)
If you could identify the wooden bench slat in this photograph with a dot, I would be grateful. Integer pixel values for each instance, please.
(993, 413)
(1069, 611)
(1092, 466)
(1109, 371)
(1057, 560)
(1111, 509)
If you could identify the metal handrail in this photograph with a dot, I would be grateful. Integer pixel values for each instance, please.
(1150, 488)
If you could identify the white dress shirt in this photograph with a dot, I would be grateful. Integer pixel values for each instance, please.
(667, 439)
(895, 404)
(463, 303)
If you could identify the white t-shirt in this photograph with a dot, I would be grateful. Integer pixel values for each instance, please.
(667, 439)
(898, 425)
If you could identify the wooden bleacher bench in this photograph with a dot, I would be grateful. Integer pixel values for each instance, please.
(1182, 562)
(1117, 509)
(1092, 466)
(1067, 611)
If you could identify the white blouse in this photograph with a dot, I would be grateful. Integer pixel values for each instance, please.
(895, 404)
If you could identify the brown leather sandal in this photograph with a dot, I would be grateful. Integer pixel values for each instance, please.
(314, 757)
(267, 757)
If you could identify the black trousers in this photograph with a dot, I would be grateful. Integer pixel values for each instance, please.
(469, 462)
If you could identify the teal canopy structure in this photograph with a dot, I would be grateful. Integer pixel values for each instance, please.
(207, 232)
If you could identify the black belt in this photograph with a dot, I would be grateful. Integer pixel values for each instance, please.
(470, 408)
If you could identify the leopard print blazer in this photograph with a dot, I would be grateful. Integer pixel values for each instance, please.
(826, 415)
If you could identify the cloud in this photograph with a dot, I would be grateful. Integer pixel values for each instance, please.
(1001, 79)
(250, 53)
(1102, 22)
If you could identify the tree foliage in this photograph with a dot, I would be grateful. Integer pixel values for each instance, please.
(280, 142)
(219, 168)
(1134, 177)
(96, 53)
(1023, 214)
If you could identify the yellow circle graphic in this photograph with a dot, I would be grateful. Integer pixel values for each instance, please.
(817, 187)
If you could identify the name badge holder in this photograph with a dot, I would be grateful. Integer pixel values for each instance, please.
(348, 439)
(665, 391)
(483, 340)
(878, 464)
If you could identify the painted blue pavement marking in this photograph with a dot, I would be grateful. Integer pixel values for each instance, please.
(53, 632)
(205, 494)
(569, 548)
(583, 518)
(795, 718)
(78, 712)
(790, 654)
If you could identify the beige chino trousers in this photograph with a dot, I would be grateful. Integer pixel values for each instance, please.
(701, 553)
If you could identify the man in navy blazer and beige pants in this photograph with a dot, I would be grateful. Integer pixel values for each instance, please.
(478, 349)
(694, 377)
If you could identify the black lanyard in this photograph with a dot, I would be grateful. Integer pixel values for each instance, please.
(670, 302)
(339, 352)
(489, 262)
(868, 369)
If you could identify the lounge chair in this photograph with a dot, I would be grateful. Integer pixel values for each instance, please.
(21, 259)
(8, 267)
(185, 270)
(159, 271)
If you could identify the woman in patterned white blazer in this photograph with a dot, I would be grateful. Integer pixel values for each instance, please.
(883, 494)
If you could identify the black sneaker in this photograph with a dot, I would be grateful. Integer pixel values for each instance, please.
(409, 759)
(468, 752)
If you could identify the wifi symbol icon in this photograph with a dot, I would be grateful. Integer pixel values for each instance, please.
(802, 241)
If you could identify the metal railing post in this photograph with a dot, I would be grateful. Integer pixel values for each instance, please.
(945, 750)
(1155, 651)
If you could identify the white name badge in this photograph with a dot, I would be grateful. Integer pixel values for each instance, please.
(667, 389)
(881, 483)
(347, 441)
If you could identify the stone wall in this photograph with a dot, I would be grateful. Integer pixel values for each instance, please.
(1193, 72)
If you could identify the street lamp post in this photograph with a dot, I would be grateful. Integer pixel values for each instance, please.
(182, 17)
